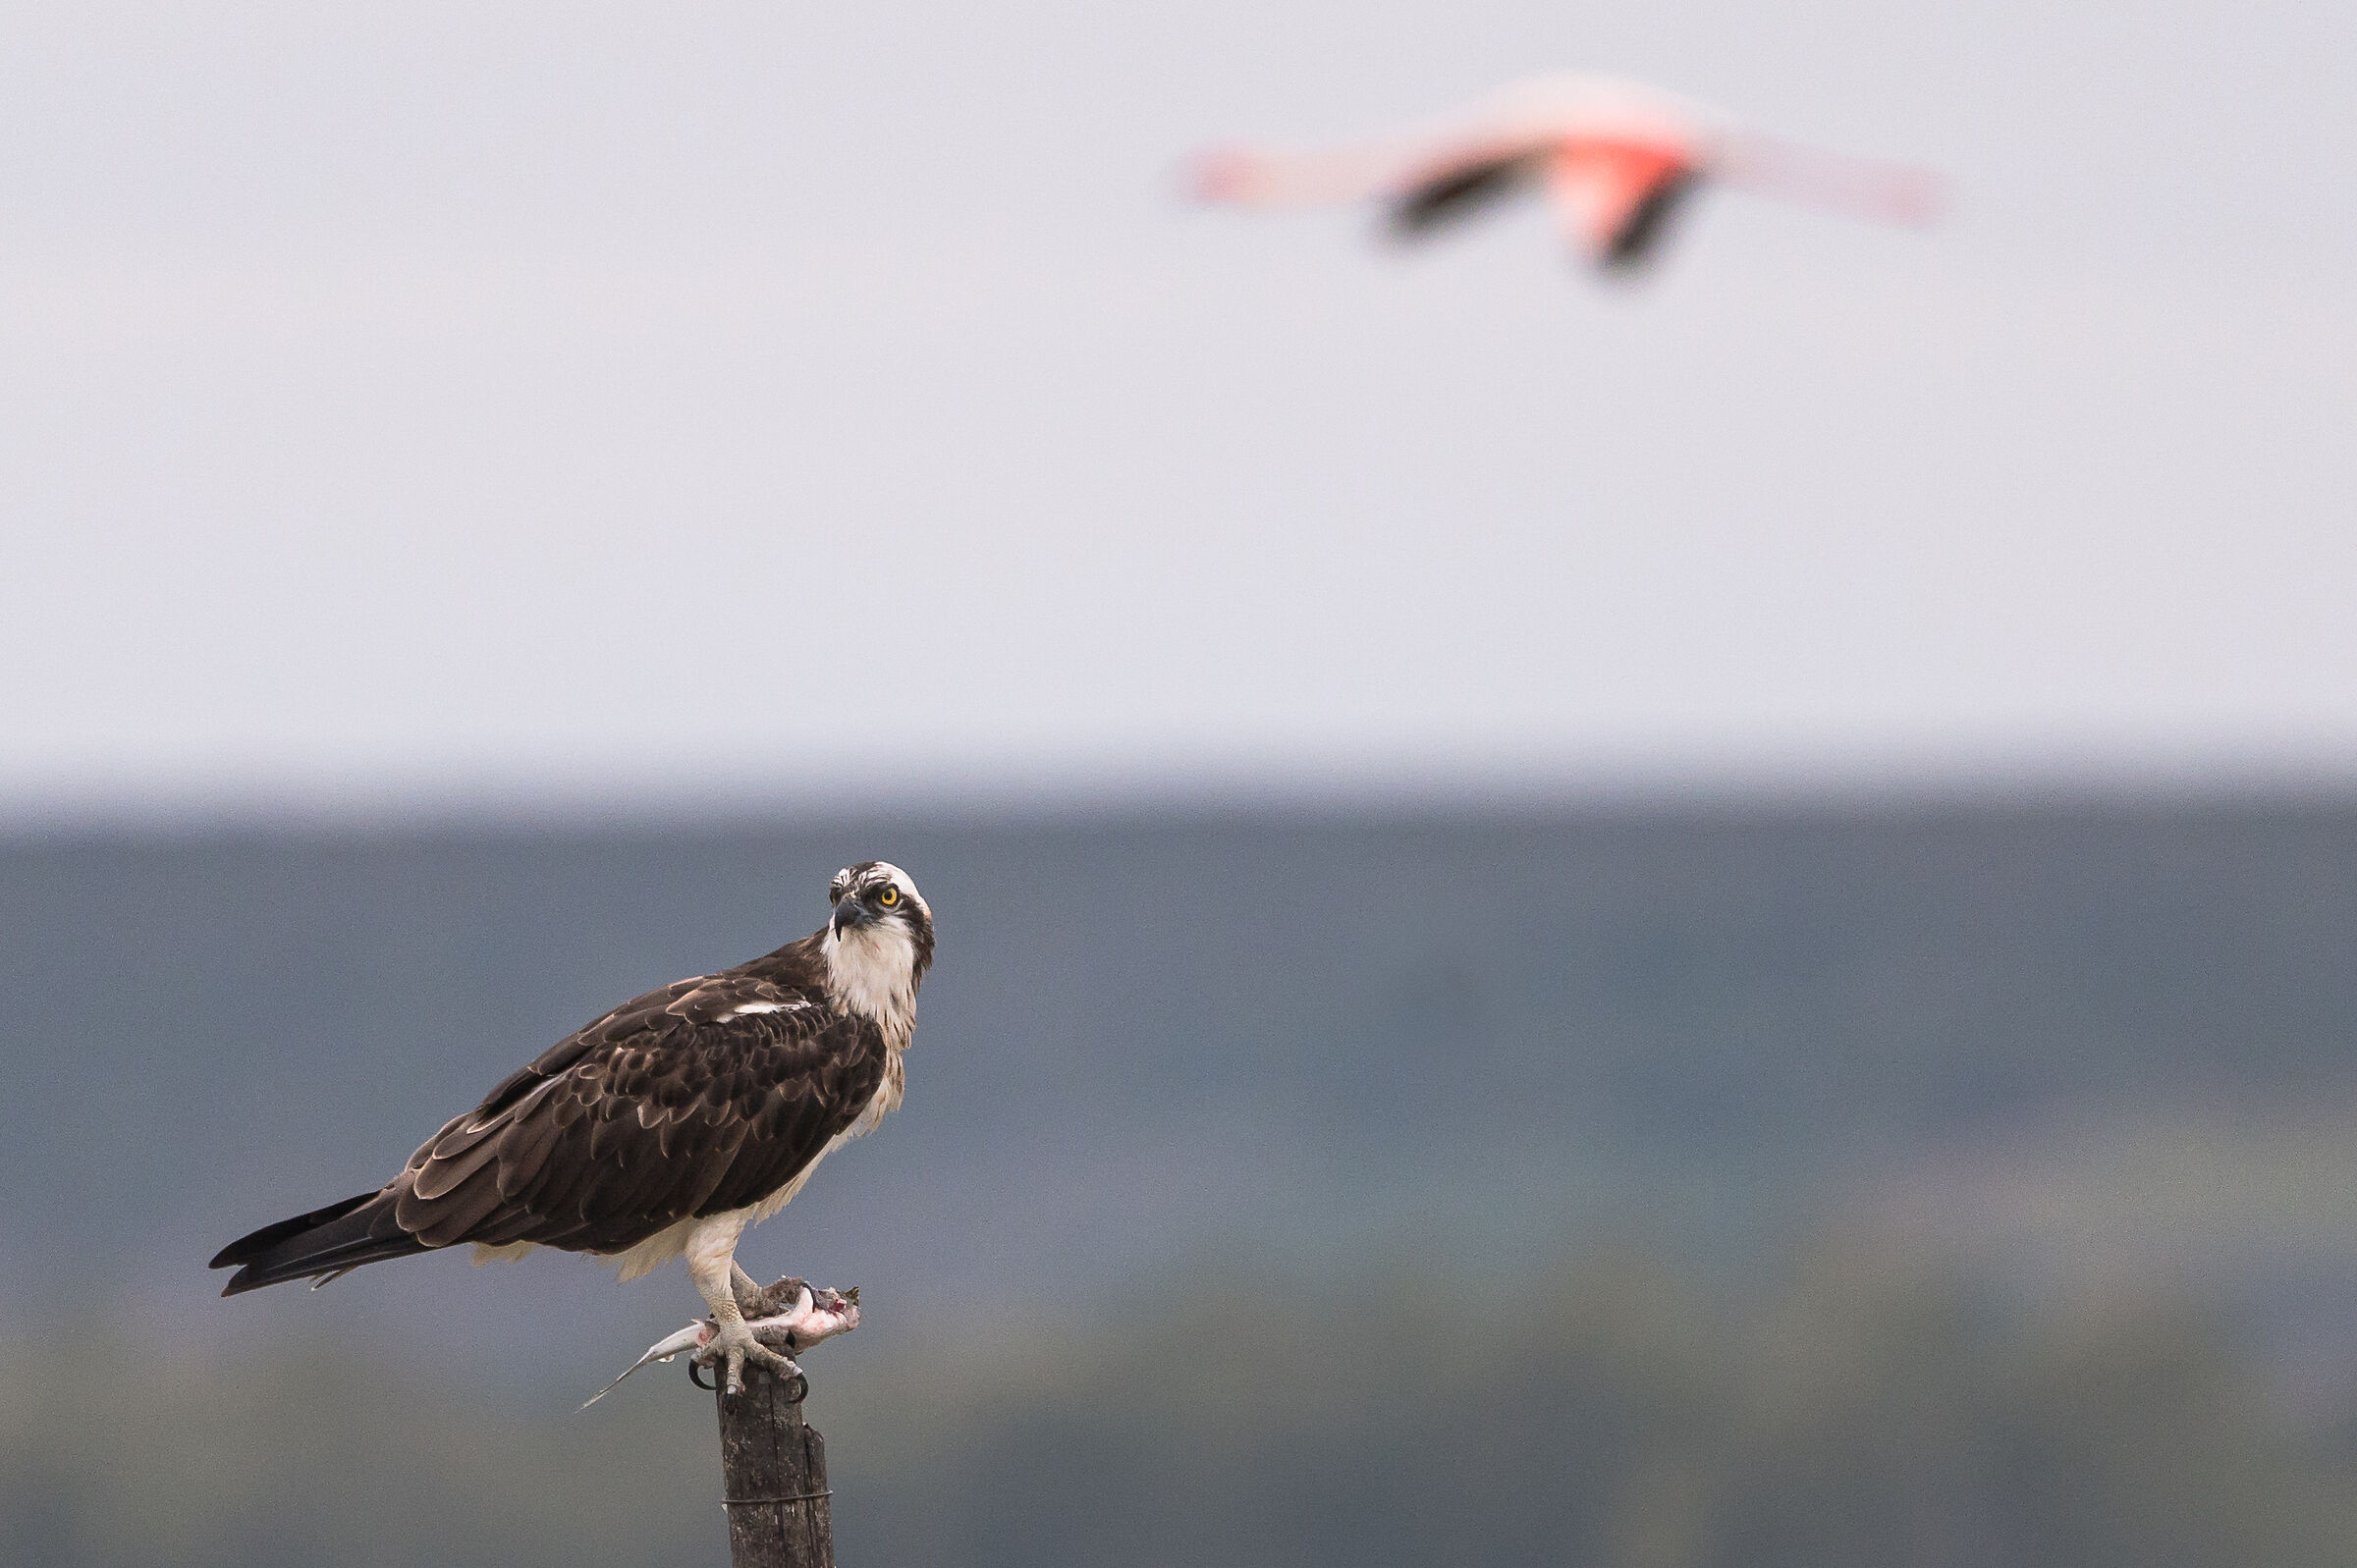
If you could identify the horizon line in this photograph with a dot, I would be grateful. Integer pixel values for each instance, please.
(322, 802)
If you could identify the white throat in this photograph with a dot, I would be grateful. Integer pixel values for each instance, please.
(871, 970)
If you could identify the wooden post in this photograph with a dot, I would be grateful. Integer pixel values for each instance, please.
(773, 1476)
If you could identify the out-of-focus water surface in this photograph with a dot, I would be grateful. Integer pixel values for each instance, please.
(1874, 1184)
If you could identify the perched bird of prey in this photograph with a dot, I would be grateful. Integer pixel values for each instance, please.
(1617, 161)
(663, 1129)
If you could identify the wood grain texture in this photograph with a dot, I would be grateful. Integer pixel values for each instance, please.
(773, 1468)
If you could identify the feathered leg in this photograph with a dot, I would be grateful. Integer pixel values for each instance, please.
(712, 1265)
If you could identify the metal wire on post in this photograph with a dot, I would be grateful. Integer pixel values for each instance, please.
(772, 1473)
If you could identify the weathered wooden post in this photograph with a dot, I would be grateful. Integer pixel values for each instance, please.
(773, 1474)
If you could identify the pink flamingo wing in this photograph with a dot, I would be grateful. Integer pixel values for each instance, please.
(1603, 184)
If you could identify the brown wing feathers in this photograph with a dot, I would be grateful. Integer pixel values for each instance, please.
(679, 1104)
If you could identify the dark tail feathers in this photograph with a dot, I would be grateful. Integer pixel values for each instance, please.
(320, 1244)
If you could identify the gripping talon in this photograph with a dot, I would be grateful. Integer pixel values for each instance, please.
(731, 1347)
(804, 1316)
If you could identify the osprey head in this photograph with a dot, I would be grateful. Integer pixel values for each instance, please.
(879, 940)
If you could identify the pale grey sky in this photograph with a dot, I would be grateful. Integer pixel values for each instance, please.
(413, 400)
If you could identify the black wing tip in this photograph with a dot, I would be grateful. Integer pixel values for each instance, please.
(1457, 193)
(250, 1253)
(320, 1267)
(1639, 241)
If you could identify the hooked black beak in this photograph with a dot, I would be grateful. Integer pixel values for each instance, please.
(849, 914)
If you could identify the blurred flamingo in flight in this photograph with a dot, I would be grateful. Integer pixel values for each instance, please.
(1615, 159)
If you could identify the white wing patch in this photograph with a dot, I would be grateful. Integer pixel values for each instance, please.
(765, 1006)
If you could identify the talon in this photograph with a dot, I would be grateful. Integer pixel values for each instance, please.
(732, 1346)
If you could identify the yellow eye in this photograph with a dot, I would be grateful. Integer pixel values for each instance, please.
(888, 896)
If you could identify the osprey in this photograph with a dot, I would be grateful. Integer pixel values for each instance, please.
(663, 1129)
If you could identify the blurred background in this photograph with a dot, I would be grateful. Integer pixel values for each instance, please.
(1703, 923)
